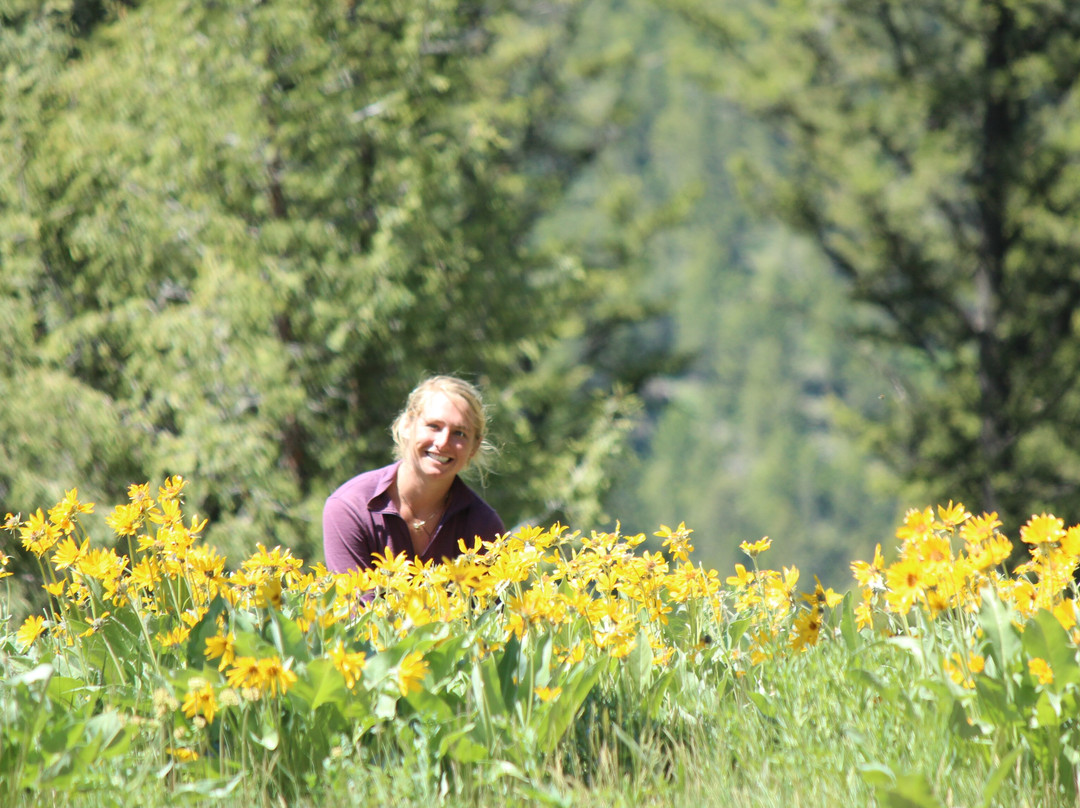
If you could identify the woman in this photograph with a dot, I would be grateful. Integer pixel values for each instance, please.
(416, 505)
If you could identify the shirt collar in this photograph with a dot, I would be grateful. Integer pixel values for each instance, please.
(461, 496)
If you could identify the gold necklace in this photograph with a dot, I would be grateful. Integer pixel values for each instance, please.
(418, 524)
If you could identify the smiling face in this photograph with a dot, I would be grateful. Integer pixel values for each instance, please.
(441, 439)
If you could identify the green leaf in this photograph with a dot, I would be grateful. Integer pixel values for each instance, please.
(207, 627)
(763, 703)
(848, 628)
(1002, 638)
(464, 749)
(638, 664)
(509, 665)
(320, 684)
(737, 629)
(287, 637)
(577, 684)
(1045, 639)
(877, 775)
(431, 706)
(445, 657)
(909, 791)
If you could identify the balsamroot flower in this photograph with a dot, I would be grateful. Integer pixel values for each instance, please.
(1041, 670)
(200, 700)
(31, 629)
(349, 663)
(411, 672)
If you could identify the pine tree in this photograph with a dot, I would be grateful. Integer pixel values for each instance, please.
(929, 153)
(245, 231)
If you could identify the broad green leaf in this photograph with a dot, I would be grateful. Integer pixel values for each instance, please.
(1002, 638)
(578, 683)
(321, 683)
(509, 668)
(764, 704)
(207, 627)
(638, 663)
(287, 637)
(909, 791)
(431, 706)
(878, 775)
(1045, 639)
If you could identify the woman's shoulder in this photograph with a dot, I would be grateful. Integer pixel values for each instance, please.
(480, 513)
(367, 484)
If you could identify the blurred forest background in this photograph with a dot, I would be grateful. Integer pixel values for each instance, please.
(765, 267)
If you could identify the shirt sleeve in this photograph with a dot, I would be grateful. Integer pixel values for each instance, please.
(485, 523)
(346, 535)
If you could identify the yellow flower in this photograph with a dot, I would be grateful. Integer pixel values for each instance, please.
(30, 631)
(741, 578)
(864, 612)
(168, 514)
(64, 512)
(68, 553)
(953, 515)
(139, 496)
(175, 637)
(243, 673)
(125, 520)
(38, 535)
(677, 541)
(757, 548)
(221, 647)
(906, 584)
(574, 655)
(104, 565)
(274, 676)
(980, 528)
(961, 673)
(546, 694)
(182, 755)
(96, 624)
(1065, 612)
(269, 594)
(621, 645)
(1042, 529)
(411, 672)
(807, 629)
(56, 589)
(145, 574)
(172, 487)
(823, 597)
(399, 564)
(1041, 670)
(918, 525)
(870, 575)
(276, 563)
(349, 663)
(200, 701)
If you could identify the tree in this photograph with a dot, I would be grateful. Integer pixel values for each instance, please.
(242, 232)
(930, 152)
(742, 434)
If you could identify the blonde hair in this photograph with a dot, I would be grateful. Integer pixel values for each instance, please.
(455, 388)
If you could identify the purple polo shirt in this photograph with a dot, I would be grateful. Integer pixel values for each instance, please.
(359, 520)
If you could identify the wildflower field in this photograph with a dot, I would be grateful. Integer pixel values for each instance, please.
(547, 668)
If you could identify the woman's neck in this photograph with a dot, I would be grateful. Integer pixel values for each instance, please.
(421, 495)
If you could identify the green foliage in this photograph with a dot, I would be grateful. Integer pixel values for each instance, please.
(550, 667)
(926, 151)
(746, 432)
(234, 236)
